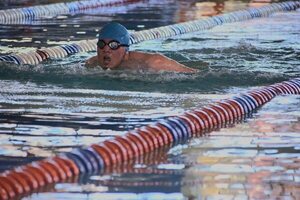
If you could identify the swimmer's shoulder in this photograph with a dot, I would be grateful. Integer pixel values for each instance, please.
(156, 62)
(142, 57)
(138, 55)
(91, 62)
(159, 62)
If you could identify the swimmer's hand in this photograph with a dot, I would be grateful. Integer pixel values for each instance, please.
(91, 62)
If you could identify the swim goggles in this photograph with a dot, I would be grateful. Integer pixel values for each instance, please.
(112, 44)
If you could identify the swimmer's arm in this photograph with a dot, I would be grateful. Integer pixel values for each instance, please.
(160, 62)
(91, 62)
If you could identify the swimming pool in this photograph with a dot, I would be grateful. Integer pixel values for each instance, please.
(59, 105)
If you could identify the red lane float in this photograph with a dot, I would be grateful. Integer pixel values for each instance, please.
(121, 149)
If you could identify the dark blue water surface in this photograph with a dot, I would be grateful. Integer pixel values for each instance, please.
(59, 104)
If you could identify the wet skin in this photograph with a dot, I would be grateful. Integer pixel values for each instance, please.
(122, 59)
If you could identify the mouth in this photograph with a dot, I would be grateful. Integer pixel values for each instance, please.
(106, 60)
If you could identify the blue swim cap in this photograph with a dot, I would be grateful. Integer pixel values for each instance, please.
(116, 32)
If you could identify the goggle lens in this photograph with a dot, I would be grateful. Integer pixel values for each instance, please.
(112, 44)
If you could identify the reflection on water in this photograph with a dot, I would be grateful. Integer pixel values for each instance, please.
(59, 105)
(256, 160)
(42, 117)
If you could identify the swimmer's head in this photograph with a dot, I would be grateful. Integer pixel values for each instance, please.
(113, 44)
(115, 31)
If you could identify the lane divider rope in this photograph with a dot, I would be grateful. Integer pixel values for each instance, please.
(33, 12)
(174, 130)
(37, 56)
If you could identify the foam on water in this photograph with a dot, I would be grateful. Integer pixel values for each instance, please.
(212, 79)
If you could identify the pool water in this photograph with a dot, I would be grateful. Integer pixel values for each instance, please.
(59, 104)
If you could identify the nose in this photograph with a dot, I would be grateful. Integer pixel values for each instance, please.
(106, 48)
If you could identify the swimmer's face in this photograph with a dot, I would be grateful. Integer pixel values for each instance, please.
(109, 58)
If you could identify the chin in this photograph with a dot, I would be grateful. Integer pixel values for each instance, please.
(109, 67)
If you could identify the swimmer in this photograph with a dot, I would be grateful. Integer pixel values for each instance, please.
(113, 53)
